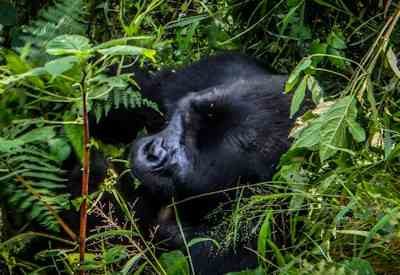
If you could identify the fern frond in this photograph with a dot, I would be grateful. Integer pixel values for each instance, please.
(113, 92)
(64, 17)
(30, 178)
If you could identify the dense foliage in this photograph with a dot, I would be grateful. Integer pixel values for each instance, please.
(333, 206)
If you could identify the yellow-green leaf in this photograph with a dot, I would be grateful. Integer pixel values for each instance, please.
(392, 60)
(298, 97)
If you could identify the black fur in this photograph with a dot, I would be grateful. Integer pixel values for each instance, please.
(227, 119)
(227, 124)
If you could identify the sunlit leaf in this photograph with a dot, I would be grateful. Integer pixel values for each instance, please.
(336, 40)
(392, 60)
(315, 88)
(334, 127)
(293, 78)
(69, 44)
(128, 50)
(61, 65)
(298, 97)
(310, 136)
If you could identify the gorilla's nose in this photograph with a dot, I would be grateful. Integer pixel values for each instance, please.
(151, 153)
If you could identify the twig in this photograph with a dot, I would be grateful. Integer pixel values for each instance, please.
(85, 179)
(59, 220)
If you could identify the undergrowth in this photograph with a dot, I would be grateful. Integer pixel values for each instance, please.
(333, 205)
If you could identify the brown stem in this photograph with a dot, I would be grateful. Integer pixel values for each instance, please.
(59, 220)
(85, 181)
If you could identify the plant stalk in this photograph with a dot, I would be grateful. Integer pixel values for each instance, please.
(85, 180)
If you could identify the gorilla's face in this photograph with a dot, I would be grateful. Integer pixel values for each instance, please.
(213, 137)
(165, 160)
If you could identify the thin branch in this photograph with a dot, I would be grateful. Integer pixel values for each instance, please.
(60, 221)
(85, 178)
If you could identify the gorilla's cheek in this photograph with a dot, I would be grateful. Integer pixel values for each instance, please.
(181, 164)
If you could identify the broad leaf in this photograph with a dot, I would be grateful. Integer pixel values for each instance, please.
(59, 148)
(310, 136)
(334, 127)
(174, 263)
(59, 66)
(121, 41)
(128, 50)
(293, 78)
(356, 130)
(336, 40)
(317, 47)
(69, 44)
(315, 88)
(74, 134)
(298, 97)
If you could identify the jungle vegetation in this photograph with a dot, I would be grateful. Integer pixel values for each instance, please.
(335, 197)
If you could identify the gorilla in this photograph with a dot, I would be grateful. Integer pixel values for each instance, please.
(226, 125)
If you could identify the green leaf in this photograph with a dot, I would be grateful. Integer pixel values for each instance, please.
(38, 134)
(61, 65)
(338, 61)
(290, 17)
(298, 97)
(310, 136)
(300, 31)
(174, 263)
(14, 63)
(265, 234)
(356, 130)
(293, 77)
(334, 127)
(317, 47)
(74, 134)
(121, 41)
(128, 50)
(336, 40)
(315, 88)
(358, 266)
(115, 254)
(59, 148)
(8, 146)
(69, 44)
(280, 260)
(392, 60)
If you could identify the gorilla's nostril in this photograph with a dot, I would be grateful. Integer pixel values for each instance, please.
(155, 155)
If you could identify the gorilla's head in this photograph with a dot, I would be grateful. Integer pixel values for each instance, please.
(214, 137)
